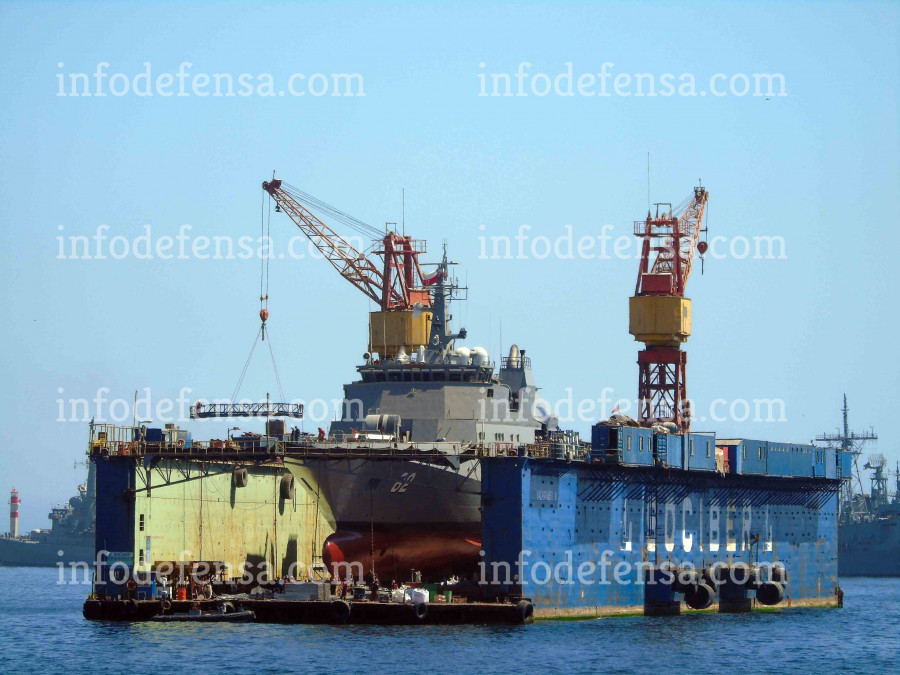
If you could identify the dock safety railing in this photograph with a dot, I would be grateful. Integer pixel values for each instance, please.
(117, 441)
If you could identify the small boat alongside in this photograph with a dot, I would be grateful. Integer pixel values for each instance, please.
(225, 613)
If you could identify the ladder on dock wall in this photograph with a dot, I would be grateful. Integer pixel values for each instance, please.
(652, 506)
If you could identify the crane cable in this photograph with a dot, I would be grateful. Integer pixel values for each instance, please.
(315, 204)
(265, 243)
(265, 240)
(240, 381)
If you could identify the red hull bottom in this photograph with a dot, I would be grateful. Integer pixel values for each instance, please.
(437, 552)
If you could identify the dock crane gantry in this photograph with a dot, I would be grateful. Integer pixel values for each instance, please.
(659, 314)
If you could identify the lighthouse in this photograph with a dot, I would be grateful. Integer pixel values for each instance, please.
(14, 513)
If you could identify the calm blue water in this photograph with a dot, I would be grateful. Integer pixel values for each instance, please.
(41, 629)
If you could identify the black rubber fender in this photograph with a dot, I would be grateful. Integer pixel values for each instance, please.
(770, 593)
(287, 486)
(241, 477)
(421, 611)
(699, 597)
(131, 608)
(340, 611)
(526, 611)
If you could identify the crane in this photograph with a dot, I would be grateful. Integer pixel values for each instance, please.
(659, 314)
(397, 285)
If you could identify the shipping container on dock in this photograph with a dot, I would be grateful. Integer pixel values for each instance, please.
(628, 446)
(668, 449)
(555, 532)
(778, 459)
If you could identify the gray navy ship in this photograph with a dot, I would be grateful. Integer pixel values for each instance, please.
(70, 538)
(401, 514)
(870, 528)
(869, 531)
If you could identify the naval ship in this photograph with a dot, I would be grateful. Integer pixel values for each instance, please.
(869, 526)
(70, 538)
(401, 514)
(869, 531)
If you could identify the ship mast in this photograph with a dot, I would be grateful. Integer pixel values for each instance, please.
(852, 501)
(444, 290)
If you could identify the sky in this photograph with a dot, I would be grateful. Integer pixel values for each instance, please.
(814, 164)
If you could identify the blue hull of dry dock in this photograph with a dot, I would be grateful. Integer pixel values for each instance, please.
(563, 520)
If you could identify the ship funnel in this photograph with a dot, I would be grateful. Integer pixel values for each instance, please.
(514, 356)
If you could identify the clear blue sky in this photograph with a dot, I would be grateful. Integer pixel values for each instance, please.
(818, 167)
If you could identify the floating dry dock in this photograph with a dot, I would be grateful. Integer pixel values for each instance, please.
(634, 521)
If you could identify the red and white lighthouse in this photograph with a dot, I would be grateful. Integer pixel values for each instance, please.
(14, 513)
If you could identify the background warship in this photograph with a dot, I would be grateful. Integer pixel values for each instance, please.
(69, 539)
(869, 531)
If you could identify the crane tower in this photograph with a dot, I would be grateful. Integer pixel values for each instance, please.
(659, 314)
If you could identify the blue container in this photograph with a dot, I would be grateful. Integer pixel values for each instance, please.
(667, 450)
(635, 445)
(701, 452)
(154, 436)
(831, 461)
(845, 464)
(630, 446)
(778, 459)
(802, 460)
(600, 437)
(753, 457)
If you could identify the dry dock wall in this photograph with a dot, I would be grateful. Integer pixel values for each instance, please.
(544, 519)
(156, 509)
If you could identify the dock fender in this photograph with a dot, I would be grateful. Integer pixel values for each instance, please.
(287, 486)
(526, 611)
(421, 610)
(131, 608)
(699, 597)
(165, 605)
(770, 593)
(340, 611)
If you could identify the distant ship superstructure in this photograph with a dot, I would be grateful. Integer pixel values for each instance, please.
(69, 539)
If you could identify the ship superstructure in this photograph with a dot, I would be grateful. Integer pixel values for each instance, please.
(869, 531)
(401, 514)
(69, 539)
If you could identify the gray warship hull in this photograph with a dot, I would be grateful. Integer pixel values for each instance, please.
(46, 553)
(870, 549)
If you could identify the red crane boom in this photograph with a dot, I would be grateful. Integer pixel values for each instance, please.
(397, 285)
